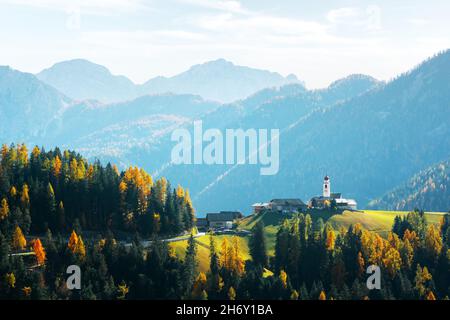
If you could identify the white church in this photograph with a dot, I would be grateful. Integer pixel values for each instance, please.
(328, 197)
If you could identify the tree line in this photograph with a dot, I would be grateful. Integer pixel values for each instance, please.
(62, 191)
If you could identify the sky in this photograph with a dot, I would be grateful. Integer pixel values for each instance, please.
(318, 41)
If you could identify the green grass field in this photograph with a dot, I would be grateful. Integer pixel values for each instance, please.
(373, 220)
(376, 220)
(203, 248)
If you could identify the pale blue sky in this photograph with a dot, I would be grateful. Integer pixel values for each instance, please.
(319, 41)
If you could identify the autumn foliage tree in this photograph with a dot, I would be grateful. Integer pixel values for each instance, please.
(39, 251)
(19, 241)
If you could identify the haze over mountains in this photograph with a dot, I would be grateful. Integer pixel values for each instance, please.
(81, 79)
(218, 80)
(368, 144)
(369, 136)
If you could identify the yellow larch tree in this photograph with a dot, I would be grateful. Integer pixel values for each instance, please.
(237, 262)
(23, 154)
(73, 241)
(322, 295)
(392, 261)
(13, 192)
(35, 152)
(10, 280)
(422, 280)
(4, 209)
(179, 192)
(433, 242)
(361, 264)
(283, 278)
(330, 241)
(25, 197)
(224, 254)
(199, 286)
(19, 241)
(231, 294)
(56, 166)
(430, 296)
(80, 249)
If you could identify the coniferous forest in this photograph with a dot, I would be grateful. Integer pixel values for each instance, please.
(58, 210)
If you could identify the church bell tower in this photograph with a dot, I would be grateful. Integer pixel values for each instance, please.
(326, 187)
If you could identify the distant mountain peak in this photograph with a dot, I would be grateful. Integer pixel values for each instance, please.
(352, 78)
(81, 65)
(82, 79)
(220, 61)
(219, 80)
(292, 77)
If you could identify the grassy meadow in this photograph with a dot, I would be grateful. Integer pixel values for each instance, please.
(374, 220)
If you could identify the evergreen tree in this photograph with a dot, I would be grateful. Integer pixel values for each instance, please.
(189, 269)
(257, 245)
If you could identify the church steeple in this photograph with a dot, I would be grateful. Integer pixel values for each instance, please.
(326, 186)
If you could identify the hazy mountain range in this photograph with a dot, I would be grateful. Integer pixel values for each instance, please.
(369, 136)
(368, 144)
(218, 80)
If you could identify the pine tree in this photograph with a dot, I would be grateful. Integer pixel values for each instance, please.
(51, 206)
(213, 275)
(257, 245)
(282, 246)
(189, 267)
(61, 217)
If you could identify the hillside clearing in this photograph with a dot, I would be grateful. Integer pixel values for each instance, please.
(203, 251)
(374, 220)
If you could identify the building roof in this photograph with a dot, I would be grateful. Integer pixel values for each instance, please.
(201, 221)
(222, 216)
(288, 202)
(336, 195)
(346, 201)
(260, 204)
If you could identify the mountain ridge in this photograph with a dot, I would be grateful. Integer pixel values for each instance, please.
(219, 80)
(368, 144)
(429, 190)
